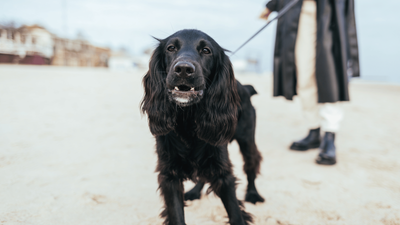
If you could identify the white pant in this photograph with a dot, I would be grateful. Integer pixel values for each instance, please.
(324, 115)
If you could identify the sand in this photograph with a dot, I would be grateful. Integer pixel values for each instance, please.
(74, 149)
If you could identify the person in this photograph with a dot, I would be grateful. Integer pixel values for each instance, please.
(316, 52)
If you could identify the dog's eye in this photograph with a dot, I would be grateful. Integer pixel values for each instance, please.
(206, 51)
(171, 48)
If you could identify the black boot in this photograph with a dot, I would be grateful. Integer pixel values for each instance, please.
(327, 155)
(313, 140)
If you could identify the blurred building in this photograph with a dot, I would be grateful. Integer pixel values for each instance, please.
(36, 45)
(79, 52)
(121, 60)
(26, 45)
(247, 65)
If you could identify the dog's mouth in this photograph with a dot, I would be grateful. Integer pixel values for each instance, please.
(186, 90)
(183, 88)
(184, 94)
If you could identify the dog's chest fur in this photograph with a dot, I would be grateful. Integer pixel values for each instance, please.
(188, 153)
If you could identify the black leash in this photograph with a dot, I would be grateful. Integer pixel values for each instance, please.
(280, 14)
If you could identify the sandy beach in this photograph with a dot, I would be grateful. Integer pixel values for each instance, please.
(75, 150)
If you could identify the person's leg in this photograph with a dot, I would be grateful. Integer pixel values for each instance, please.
(305, 52)
(332, 115)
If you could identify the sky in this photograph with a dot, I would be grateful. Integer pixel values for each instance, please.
(131, 24)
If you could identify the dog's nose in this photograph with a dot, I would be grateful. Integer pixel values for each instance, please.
(184, 68)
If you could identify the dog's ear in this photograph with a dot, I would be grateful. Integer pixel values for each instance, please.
(216, 120)
(155, 101)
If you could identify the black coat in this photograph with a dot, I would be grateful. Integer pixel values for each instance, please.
(337, 49)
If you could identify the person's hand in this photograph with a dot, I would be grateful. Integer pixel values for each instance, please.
(265, 14)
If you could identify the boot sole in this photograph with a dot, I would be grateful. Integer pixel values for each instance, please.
(296, 148)
(328, 162)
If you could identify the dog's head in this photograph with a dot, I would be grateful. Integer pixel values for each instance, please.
(191, 57)
(190, 69)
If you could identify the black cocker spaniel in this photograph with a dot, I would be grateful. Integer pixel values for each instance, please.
(195, 107)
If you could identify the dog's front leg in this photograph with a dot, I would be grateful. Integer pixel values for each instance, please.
(172, 191)
(227, 193)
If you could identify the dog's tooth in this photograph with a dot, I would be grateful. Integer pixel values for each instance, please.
(176, 88)
(192, 89)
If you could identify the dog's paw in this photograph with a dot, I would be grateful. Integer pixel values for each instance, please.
(192, 195)
(253, 197)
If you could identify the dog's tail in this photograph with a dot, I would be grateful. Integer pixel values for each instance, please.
(250, 89)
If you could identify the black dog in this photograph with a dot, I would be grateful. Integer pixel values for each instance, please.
(195, 107)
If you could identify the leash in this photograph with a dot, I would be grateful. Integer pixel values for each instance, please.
(280, 14)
